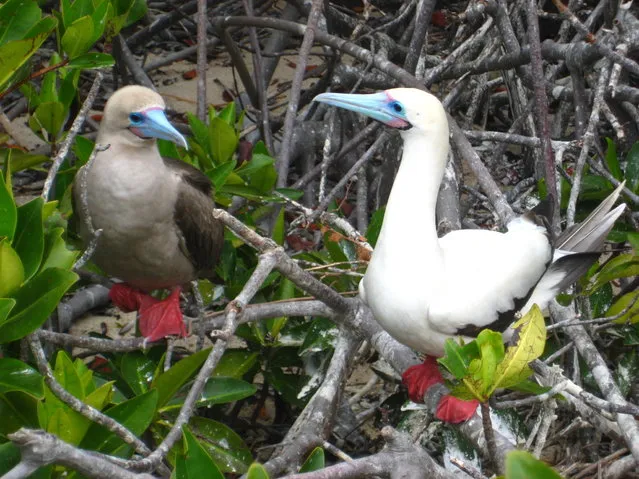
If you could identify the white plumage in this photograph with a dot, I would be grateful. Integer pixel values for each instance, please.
(423, 289)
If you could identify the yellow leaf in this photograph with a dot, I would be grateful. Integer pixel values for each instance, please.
(530, 337)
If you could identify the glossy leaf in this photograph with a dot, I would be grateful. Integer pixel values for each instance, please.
(16, 53)
(49, 117)
(56, 254)
(135, 414)
(626, 371)
(92, 60)
(632, 168)
(623, 266)
(629, 301)
(530, 337)
(235, 363)
(481, 372)
(9, 457)
(137, 371)
(35, 301)
(223, 140)
(523, 465)
(169, 382)
(11, 270)
(224, 445)
(218, 390)
(457, 358)
(257, 471)
(29, 239)
(375, 226)
(220, 173)
(286, 290)
(17, 17)
(314, 462)
(196, 462)
(78, 37)
(8, 210)
(320, 336)
(612, 161)
(6, 305)
(18, 376)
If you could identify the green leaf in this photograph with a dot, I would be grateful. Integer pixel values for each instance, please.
(286, 290)
(258, 161)
(320, 336)
(92, 60)
(137, 370)
(11, 270)
(196, 462)
(612, 161)
(23, 161)
(530, 338)
(228, 114)
(9, 456)
(457, 358)
(314, 462)
(632, 168)
(235, 363)
(375, 226)
(481, 372)
(257, 471)
(29, 239)
(523, 465)
(217, 390)
(135, 414)
(626, 371)
(35, 301)
(628, 299)
(17, 17)
(14, 54)
(623, 266)
(67, 375)
(224, 445)
(18, 376)
(6, 305)
(223, 140)
(56, 254)
(78, 37)
(48, 117)
(169, 382)
(220, 173)
(8, 211)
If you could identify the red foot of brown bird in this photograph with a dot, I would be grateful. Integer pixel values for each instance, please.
(157, 319)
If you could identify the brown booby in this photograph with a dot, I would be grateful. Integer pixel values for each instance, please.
(423, 289)
(156, 214)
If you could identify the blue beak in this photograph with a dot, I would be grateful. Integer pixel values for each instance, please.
(156, 125)
(379, 106)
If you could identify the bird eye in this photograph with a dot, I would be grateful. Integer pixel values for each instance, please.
(397, 106)
(136, 118)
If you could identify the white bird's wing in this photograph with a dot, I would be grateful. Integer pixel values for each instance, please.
(488, 277)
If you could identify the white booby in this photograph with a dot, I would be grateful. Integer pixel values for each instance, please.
(156, 213)
(423, 289)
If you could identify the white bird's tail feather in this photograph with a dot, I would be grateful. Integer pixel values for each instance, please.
(590, 234)
(576, 251)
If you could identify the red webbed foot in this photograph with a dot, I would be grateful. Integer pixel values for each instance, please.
(454, 410)
(125, 297)
(161, 318)
(418, 379)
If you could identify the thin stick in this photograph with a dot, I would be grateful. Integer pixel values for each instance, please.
(75, 129)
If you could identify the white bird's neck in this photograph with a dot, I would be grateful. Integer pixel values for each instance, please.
(410, 213)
